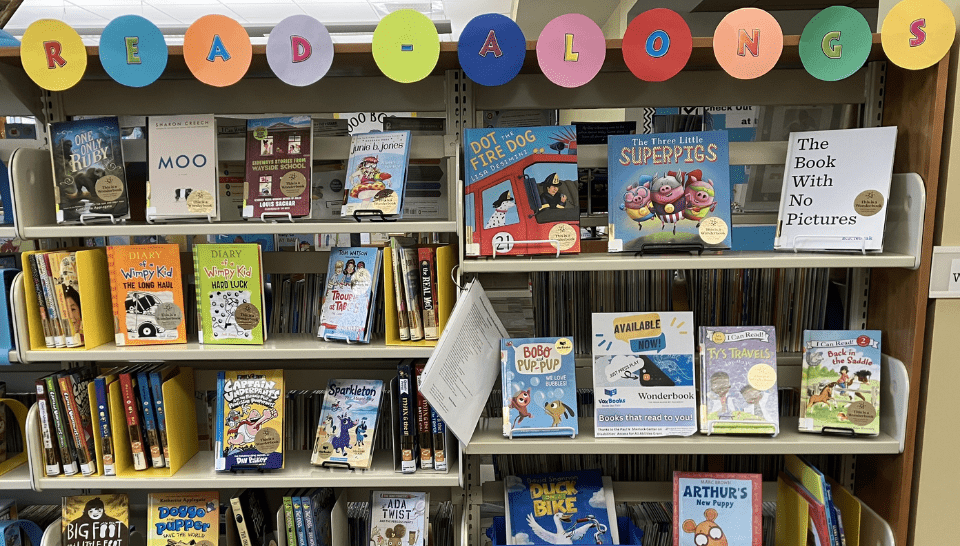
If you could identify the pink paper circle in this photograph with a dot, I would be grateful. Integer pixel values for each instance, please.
(588, 47)
(738, 59)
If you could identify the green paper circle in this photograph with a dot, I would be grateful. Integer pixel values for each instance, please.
(406, 46)
(835, 43)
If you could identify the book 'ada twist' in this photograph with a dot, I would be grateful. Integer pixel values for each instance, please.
(348, 421)
(712, 509)
(249, 430)
(399, 518)
(539, 387)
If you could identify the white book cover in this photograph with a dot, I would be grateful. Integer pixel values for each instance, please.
(836, 185)
(399, 517)
(643, 377)
(182, 157)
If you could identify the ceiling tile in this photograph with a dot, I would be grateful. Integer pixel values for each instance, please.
(266, 14)
(188, 13)
(70, 14)
(340, 12)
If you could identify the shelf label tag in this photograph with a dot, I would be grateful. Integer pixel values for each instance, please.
(954, 284)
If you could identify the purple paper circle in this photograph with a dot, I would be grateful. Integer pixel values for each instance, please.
(588, 48)
(299, 50)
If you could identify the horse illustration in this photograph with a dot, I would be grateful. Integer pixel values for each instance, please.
(341, 442)
(824, 397)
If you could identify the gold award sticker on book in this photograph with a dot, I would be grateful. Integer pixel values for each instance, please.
(762, 377)
(565, 234)
(387, 202)
(200, 201)
(247, 316)
(868, 203)
(267, 440)
(713, 230)
(293, 184)
(563, 346)
(326, 450)
(168, 315)
(861, 413)
(109, 188)
(718, 337)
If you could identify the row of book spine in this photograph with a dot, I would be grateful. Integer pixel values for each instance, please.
(50, 272)
(306, 516)
(422, 431)
(415, 289)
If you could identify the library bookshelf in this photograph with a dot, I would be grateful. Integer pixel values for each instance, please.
(894, 283)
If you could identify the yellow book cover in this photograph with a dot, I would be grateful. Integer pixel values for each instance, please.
(147, 292)
(96, 520)
(183, 519)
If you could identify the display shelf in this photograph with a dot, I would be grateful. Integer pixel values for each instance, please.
(16, 479)
(7, 232)
(902, 236)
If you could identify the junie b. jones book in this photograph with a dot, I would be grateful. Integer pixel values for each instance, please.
(249, 430)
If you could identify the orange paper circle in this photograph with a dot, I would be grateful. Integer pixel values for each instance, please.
(748, 43)
(916, 34)
(53, 54)
(209, 42)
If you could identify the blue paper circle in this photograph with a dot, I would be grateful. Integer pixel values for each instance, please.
(151, 50)
(7, 39)
(311, 40)
(480, 61)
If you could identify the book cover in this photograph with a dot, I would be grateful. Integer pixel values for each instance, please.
(250, 515)
(145, 283)
(229, 281)
(712, 508)
(521, 184)
(399, 518)
(832, 199)
(643, 374)
(668, 189)
(278, 166)
(88, 170)
(574, 507)
(738, 380)
(348, 420)
(252, 419)
(539, 387)
(377, 174)
(352, 277)
(840, 381)
(182, 159)
(183, 519)
(96, 520)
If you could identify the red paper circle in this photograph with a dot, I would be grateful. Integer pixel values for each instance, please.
(640, 35)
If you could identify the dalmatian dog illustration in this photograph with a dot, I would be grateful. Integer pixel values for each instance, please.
(500, 207)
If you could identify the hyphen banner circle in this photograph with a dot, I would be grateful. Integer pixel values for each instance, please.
(53, 55)
(748, 43)
(491, 49)
(133, 51)
(299, 50)
(657, 45)
(835, 43)
(406, 46)
(217, 50)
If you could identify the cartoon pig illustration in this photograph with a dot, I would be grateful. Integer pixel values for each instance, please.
(699, 197)
(637, 199)
(668, 198)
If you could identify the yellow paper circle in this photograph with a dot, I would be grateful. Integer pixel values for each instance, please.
(916, 34)
(406, 46)
(53, 54)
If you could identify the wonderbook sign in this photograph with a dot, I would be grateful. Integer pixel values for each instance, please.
(570, 50)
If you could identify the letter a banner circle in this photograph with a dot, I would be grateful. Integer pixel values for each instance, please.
(299, 50)
(133, 51)
(657, 45)
(835, 43)
(571, 49)
(748, 43)
(491, 49)
(916, 34)
(53, 55)
(217, 50)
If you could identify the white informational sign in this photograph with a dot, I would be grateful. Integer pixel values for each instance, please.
(954, 284)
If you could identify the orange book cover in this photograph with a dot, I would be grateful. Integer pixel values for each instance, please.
(147, 291)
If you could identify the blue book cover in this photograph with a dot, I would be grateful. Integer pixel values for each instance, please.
(308, 523)
(840, 381)
(298, 519)
(539, 387)
(251, 432)
(6, 204)
(377, 173)
(7, 339)
(352, 277)
(156, 388)
(668, 188)
(149, 423)
(266, 241)
(573, 507)
(521, 184)
(717, 508)
(103, 420)
(348, 422)
(88, 169)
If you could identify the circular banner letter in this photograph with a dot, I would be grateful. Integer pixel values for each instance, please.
(299, 50)
(917, 33)
(53, 55)
(133, 51)
(747, 43)
(835, 43)
(491, 49)
(406, 46)
(657, 45)
(571, 50)
(217, 50)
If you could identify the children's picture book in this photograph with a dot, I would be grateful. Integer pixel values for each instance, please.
(399, 518)
(832, 199)
(88, 169)
(643, 374)
(183, 519)
(738, 380)
(668, 189)
(278, 167)
(353, 276)
(348, 420)
(147, 291)
(249, 432)
(96, 520)
(574, 507)
(521, 185)
(376, 174)
(840, 381)
(229, 281)
(713, 508)
(182, 167)
(539, 387)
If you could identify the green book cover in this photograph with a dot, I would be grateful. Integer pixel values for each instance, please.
(229, 281)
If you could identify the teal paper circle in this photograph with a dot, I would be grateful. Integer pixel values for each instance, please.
(835, 43)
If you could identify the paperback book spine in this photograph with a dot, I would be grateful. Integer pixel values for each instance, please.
(156, 388)
(439, 430)
(119, 332)
(53, 306)
(428, 286)
(48, 337)
(240, 519)
(130, 407)
(103, 416)
(289, 525)
(51, 455)
(308, 521)
(407, 419)
(402, 317)
(424, 437)
(298, 522)
(220, 461)
(411, 288)
(149, 423)
(88, 465)
(67, 456)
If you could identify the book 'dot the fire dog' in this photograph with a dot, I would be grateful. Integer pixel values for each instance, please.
(521, 185)
(643, 374)
(539, 387)
(668, 189)
(279, 170)
(249, 430)
(348, 420)
(712, 509)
